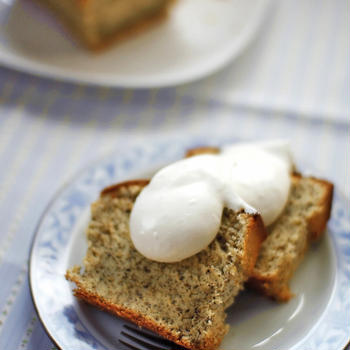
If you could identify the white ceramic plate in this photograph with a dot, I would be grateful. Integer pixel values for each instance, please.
(314, 319)
(200, 37)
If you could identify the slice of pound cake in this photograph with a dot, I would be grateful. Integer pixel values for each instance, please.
(97, 23)
(183, 301)
(302, 221)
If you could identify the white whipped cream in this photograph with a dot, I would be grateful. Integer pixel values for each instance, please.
(179, 213)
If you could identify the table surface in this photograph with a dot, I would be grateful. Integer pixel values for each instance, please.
(291, 82)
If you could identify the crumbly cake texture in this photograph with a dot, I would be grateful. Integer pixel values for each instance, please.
(303, 221)
(185, 302)
(99, 23)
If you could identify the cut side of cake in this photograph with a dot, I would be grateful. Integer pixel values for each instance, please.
(303, 221)
(185, 301)
(97, 23)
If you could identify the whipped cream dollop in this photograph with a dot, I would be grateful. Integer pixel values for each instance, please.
(179, 213)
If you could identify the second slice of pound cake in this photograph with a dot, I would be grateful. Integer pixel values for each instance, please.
(303, 221)
(184, 301)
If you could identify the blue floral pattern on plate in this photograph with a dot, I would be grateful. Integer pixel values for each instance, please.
(67, 321)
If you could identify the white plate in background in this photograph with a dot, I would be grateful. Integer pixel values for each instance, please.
(316, 318)
(200, 37)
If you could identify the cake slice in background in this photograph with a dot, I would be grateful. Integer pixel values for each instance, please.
(98, 23)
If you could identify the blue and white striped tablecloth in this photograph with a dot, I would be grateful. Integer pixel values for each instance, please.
(293, 82)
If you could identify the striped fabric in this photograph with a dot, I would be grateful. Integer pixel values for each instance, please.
(291, 82)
